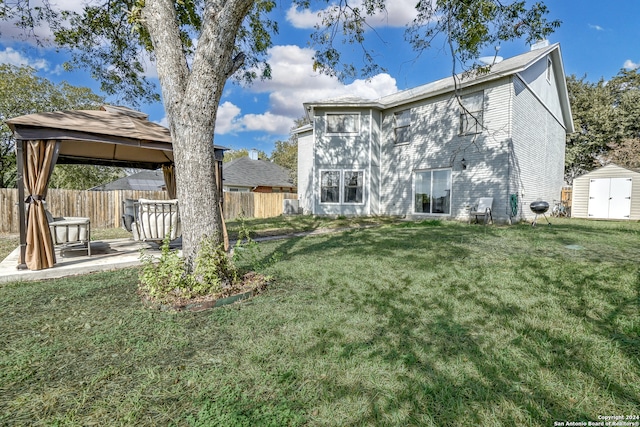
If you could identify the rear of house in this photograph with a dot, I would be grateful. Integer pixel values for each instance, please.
(432, 151)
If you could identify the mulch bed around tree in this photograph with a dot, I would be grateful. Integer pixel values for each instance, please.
(251, 284)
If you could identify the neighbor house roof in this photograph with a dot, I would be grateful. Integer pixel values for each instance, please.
(507, 67)
(245, 172)
(147, 180)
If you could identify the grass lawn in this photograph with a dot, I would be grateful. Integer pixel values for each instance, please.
(421, 324)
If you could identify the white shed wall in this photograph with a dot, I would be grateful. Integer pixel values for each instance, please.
(580, 193)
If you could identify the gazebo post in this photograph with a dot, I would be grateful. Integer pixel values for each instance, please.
(22, 223)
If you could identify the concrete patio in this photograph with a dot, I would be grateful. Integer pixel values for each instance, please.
(105, 255)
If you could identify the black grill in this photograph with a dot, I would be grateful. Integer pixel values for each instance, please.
(539, 207)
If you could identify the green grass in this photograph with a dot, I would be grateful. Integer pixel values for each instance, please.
(419, 324)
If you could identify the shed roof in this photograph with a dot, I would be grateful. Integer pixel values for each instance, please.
(245, 172)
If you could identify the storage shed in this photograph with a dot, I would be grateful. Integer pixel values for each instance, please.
(610, 192)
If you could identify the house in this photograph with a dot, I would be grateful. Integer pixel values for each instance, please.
(146, 180)
(610, 192)
(425, 152)
(251, 174)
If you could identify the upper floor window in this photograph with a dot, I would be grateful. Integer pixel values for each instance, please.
(549, 69)
(402, 126)
(471, 113)
(342, 123)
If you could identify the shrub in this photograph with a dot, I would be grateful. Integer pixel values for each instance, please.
(167, 279)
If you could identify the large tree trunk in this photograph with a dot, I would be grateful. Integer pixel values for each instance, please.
(191, 99)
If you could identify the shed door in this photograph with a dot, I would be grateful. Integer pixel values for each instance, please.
(599, 198)
(610, 198)
(620, 198)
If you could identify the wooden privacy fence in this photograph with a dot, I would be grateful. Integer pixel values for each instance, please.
(104, 208)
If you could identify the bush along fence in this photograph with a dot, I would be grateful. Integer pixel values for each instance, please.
(104, 208)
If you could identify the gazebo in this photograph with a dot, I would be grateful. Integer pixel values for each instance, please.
(110, 136)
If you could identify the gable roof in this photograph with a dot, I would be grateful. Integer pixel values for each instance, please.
(147, 180)
(507, 67)
(244, 172)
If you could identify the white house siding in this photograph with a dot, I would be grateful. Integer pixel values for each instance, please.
(305, 171)
(580, 193)
(436, 144)
(538, 149)
(536, 78)
(345, 152)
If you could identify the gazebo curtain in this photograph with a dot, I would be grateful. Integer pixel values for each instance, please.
(39, 159)
(170, 180)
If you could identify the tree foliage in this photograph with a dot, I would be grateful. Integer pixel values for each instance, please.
(242, 152)
(83, 177)
(607, 123)
(22, 92)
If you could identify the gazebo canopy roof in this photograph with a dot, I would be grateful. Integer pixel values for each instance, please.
(111, 136)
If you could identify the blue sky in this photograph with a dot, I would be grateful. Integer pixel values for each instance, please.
(597, 40)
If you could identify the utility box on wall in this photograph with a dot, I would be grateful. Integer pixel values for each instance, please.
(290, 207)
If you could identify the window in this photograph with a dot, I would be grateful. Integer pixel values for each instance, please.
(343, 123)
(330, 187)
(471, 113)
(549, 69)
(402, 126)
(353, 186)
(342, 187)
(432, 191)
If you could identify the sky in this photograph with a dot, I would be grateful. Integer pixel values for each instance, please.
(597, 40)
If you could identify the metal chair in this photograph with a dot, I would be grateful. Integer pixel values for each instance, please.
(482, 209)
(156, 219)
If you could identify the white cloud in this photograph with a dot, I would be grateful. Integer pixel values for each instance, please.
(294, 82)
(267, 122)
(596, 27)
(14, 57)
(630, 65)
(227, 118)
(397, 14)
(11, 32)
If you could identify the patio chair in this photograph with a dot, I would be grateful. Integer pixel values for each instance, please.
(129, 213)
(155, 220)
(72, 232)
(482, 209)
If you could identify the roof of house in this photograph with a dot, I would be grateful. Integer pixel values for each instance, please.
(507, 67)
(148, 180)
(245, 172)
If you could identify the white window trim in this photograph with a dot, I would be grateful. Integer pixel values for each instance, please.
(479, 127)
(549, 70)
(413, 192)
(320, 187)
(395, 126)
(339, 113)
(341, 187)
